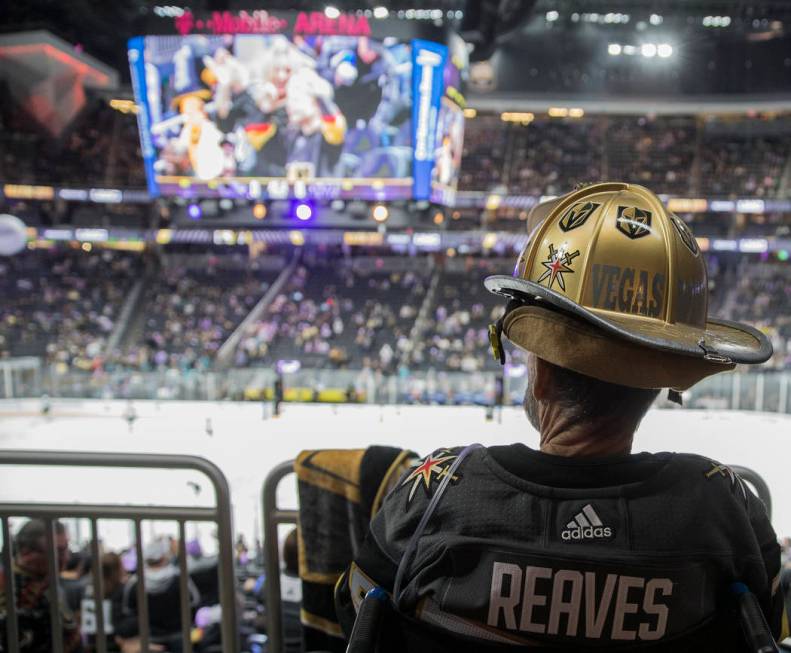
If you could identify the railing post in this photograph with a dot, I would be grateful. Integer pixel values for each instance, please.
(9, 382)
(229, 626)
(782, 406)
(12, 630)
(184, 593)
(272, 517)
(392, 389)
(759, 392)
(55, 617)
(736, 389)
(142, 599)
(98, 589)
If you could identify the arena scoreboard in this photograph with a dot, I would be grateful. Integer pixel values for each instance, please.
(277, 106)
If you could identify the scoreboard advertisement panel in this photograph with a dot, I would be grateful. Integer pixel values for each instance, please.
(449, 140)
(340, 114)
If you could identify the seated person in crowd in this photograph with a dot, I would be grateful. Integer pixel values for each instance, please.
(32, 578)
(583, 544)
(116, 624)
(73, 578)
(290, 592)
(203, 571)
(162, 592)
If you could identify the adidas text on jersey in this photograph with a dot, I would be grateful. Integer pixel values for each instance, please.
(586, 525)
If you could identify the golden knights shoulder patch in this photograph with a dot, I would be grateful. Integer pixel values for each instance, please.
(429, 473)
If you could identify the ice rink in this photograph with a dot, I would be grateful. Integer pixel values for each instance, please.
(245, 442)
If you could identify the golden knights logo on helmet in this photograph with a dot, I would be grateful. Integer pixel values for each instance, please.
(558, 264)
(577, 215)
(633, 222)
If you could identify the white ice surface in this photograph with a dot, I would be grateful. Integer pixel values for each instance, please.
(246, 446)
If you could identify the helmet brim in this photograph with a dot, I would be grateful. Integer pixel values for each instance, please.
(720, 341)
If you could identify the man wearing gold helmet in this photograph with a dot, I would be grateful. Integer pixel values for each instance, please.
(583, 544)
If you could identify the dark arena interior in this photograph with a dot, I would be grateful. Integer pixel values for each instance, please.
(394, 326)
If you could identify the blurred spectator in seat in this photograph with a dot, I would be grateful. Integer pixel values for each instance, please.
(242, 552)
(133, 646)
(32, 578)
(785, 552)
(291, 593)
(161, 578)
(203, 571)
(73, 579)
(118, 629)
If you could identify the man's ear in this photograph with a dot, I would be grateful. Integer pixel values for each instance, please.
(542, 378)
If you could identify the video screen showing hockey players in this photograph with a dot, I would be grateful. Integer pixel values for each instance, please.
(330, 114)
(449, 139)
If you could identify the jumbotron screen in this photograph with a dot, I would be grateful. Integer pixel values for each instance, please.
(280, 116)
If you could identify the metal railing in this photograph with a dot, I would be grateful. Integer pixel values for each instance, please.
(758, 483)
(220, 514)
(273, 516)
(20, 377)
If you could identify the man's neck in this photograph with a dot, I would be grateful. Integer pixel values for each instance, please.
(562, 436)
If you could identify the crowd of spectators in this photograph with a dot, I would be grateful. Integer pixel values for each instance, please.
(456, 336)
(483, 159)
(189, 312)
(752, 165)
(63, 304)
(657, 153)
(679, 155)
(331, 315)
(762, 297)
(550, 156)
(120, 575)
(675, 155)
(100, 147)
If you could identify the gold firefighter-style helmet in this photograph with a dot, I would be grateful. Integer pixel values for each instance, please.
(613, 285)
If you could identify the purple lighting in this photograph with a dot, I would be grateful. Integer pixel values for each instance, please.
(194, 211)
(303, 211)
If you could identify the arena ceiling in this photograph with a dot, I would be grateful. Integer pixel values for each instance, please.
(101, 29)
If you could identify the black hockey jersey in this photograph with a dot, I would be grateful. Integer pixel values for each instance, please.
(539, 550)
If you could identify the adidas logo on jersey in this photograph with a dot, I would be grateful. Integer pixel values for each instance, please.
(586, 525)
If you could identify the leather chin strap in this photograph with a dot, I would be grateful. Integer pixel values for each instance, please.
(498, 351)
(496, 331)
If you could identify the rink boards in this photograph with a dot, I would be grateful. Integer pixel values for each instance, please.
(246, 442)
